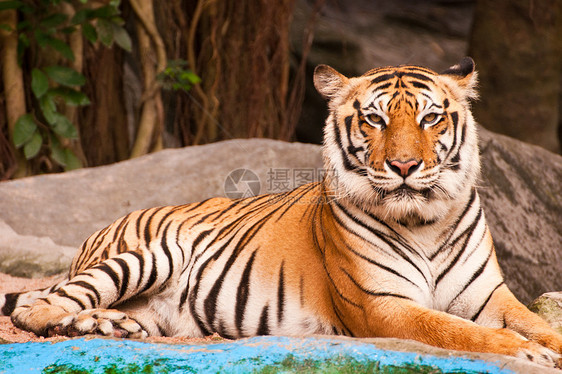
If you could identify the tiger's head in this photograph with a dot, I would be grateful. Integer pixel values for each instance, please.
(401, 142)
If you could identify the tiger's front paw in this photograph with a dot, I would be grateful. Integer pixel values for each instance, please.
(539, 354)
(107, 322)
(39, 317)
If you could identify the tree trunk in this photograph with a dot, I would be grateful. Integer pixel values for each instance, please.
(517, 47)
(14, 92)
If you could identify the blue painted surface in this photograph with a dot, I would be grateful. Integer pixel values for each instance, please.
(241, 356)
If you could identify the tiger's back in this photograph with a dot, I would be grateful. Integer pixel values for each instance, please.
(208, 252)
(393, 242)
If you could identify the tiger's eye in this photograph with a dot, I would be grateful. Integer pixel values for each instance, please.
(429, 117)
(375, 118)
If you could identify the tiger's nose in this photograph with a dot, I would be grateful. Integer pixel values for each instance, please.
(403, 168)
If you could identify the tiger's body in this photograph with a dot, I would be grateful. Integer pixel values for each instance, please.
(392, 243)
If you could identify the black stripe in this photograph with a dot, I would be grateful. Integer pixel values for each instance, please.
(89, 287)
(202, 235)
(338, 292)
(381, 236)
(122, 245)
(475, 317)
(147, 233)
(183, 297)
(382, 87)
(138, 222)
(457, 157)
(112, 274)
(263, 328)
(281, 293)
(120, 227)
(221, 330)
(210, 303)
(193, 296)
(167, 253)
(232, 206)
(163, 219)
(346, 163)
(10, 303)
(476, 274)
(419, 76)
(457, 222)
(373, 262)
(467, 235)
(370, 292)
(242, 294)
(338, 314)
(455, 120)
(126, 275)
(153, 274)
(62, 293)
(420, 85)
(140, 258)
(381, 78)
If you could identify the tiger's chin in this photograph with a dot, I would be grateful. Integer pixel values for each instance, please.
(410, 207)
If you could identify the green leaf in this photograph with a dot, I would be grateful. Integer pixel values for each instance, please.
(105, 12)
(72, 162)
(90, 32)
(63, 156)
(122, 38)
(6, 27)
(81, 16)
(53, 20)
(71, 96)
(65, 76)
(5, 5)
(64, 127)
(27, 9)
(190, 76)
(118, 20)
(61, 47)
(68, 30)
(32, 148)
(24, 128)
(48, 108)
(23, 25)
(23, 43)
(105, 32)
(39, 83)
(57, 152)
(41, 37)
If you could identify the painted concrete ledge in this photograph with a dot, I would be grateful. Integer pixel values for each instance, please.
(259, 354)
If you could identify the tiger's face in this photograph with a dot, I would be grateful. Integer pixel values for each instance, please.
(400, 141)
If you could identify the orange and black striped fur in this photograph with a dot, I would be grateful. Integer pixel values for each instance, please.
(392, 243)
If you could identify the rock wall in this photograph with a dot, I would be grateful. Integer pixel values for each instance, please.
(44, 218)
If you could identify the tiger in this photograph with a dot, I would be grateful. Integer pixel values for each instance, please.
(392, 242)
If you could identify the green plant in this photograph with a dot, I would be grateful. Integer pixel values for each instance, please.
(44, 28)
(177, 77)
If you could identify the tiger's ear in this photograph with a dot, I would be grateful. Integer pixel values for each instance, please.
(465, 75)
(328, 81)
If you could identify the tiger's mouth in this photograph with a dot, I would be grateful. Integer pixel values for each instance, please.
(404, 192)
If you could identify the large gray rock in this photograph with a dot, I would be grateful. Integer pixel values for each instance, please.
(520, 189)
(521, 192)
(67, 208)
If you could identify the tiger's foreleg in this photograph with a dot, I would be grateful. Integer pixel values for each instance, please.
(393, 317)
(80, 306)
(504, 309)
